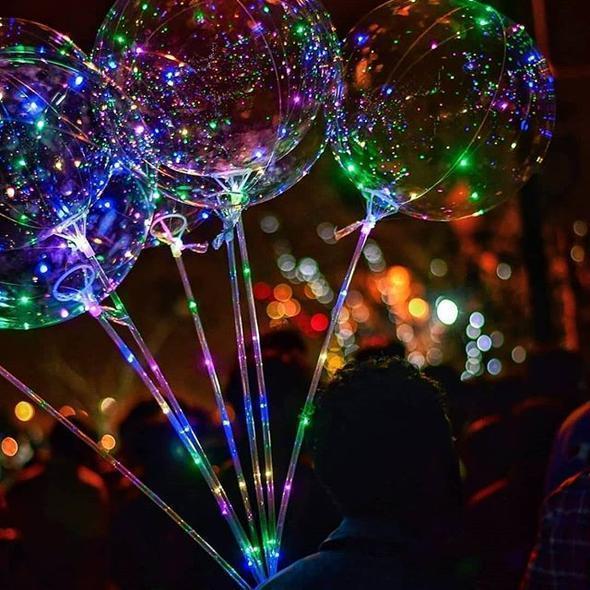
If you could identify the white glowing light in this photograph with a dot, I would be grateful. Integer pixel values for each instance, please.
(447, 312)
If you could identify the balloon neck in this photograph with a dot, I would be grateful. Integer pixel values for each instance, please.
(77, 284)
(380, 204)
(230, 217)
(170, 230)
(238, 199)
(74, 231)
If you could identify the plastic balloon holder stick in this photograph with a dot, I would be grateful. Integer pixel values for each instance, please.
(81, 435)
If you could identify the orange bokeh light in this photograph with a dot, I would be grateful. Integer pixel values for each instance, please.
(108, 442)
(9, 446)
(275, 310)
(283, 292)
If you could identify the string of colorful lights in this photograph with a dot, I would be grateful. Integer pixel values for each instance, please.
(441, 112)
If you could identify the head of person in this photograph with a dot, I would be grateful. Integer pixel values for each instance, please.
(66, 449)
(383, 445)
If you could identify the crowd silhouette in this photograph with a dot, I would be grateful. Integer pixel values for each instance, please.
(383, 453)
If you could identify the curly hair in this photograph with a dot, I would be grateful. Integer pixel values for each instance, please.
(382, 441)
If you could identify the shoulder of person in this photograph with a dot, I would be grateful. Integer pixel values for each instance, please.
(297, 576)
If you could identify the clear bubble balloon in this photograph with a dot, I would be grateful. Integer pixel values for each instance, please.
(52, 281)
(57, 144)
(449, 108)
(227, 89)
(19, 36)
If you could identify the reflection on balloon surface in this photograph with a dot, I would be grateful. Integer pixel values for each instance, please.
(449, 107)
(57, 146)
(235, 95)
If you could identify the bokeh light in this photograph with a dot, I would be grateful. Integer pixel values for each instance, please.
(108, 442)
(419, 308)
(24, 411)
(447, 311)
(9, 446)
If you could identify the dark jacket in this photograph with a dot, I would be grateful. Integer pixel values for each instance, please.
(361, 554)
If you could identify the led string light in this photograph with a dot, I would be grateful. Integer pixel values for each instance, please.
(63, 272)
(174, 239)
(100, 450)
(245, 382)
(221, 147)
(163, 394)
(270, 542)
(308, 409)
(235, 100)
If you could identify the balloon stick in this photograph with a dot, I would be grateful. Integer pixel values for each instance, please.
(125, 472)
(262, 391)
(162, 392)
(305, 419)
(245, 381)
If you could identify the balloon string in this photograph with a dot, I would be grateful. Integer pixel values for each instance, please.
(270, 546)
(219, 398)
(245, 381)
(164, 393)
(308, 409)
(125, 472)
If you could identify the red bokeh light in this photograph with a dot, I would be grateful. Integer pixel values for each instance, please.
(262, 291)
(320, 322)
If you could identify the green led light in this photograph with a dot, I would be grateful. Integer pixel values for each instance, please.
(247, 271)
(300, 29)
(475, 196)
(40, 124)
(213, 124)
(192, 306)
(464, 162)
(238, 198)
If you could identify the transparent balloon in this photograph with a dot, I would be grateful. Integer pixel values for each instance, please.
(449, 108)
(228, 89)
(19, 36)
(57, 144)
(53, 281)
